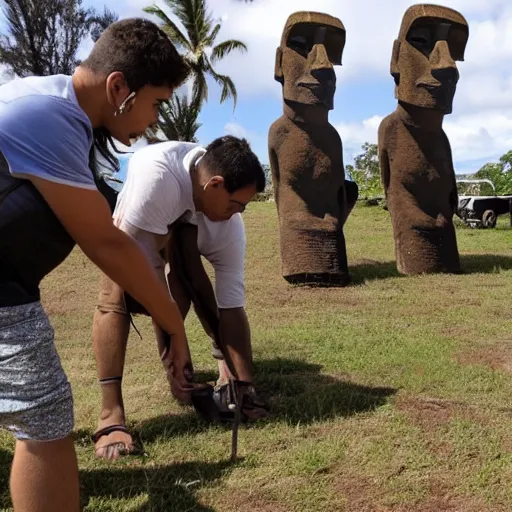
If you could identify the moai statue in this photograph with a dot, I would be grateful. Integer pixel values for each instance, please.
(414, 152)
(312, 197)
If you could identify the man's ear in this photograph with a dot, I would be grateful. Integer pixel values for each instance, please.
(278, 71)
(395, 72)
(215, 182)
(117, 89)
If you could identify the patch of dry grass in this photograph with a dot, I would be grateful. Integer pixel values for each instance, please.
(392, 394)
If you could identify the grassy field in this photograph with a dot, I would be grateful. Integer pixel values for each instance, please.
(393, 394)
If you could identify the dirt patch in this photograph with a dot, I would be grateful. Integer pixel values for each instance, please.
(429, 413)
(442, 498)
(363, 495)
(456, 331)
(253, 501)
(360, 493)
(497, 356)
(446, 504)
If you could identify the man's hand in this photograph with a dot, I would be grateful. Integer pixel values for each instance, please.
(180, 372)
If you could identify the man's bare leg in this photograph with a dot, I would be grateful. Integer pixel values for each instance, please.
(110, 337)
(44, 477)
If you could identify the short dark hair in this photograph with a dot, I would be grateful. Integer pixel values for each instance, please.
(233, 159)
(140, 50)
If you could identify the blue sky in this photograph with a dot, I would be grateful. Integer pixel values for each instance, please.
(480, 128)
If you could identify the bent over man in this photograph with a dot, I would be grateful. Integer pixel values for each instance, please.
(179, 201)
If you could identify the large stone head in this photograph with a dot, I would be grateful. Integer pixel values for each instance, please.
(311, 44)
(431, 39)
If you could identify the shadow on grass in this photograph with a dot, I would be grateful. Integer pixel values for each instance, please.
(170, 488)
(484, 263)
(5, 470)
(298, 392)
(470, 264)
(370, 270)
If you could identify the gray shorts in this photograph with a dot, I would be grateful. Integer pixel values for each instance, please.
(35, 395)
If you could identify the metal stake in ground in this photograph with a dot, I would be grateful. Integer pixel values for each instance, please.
(238, 415)
(212, 319)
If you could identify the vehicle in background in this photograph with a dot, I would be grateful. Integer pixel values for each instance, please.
(477, 210)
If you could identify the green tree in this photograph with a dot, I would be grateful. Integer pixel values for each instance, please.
(268, 193)
(42, 37)
(366, 172)
(500, 173)
(101, 22)
(198, 45)
(178, 120)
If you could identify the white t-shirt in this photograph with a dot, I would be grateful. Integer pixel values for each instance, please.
(158, 191)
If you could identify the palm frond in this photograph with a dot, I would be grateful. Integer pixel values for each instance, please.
(223, 49)
(178, 119)
(210, 40)
(198, 36)
(194, 17)
(200, 90)
(228, 87)
(169, 27)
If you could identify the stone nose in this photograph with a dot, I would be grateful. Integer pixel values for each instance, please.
(318, 58)
(444, 67)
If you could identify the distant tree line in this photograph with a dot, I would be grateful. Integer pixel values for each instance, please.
(366, 173)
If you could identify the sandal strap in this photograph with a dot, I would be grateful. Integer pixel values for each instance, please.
(108, 430)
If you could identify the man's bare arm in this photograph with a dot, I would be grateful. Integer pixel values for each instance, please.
(185, 260)
(86, 216)
(235, 334)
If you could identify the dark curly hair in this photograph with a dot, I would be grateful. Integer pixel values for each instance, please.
(141, 51)
(145, 55)
(233, 159)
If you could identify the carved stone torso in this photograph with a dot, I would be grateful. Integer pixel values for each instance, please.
(308, 178)
(310, 166)
(421, 172)
(420, 186)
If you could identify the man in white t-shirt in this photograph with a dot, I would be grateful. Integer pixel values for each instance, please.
(180, 201)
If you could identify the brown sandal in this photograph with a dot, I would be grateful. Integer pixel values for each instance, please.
(121, 447)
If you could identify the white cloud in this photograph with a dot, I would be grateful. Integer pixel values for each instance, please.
(479, 128)
(354, 135)
(257, 140)
(482, 136)
(237, 130)
(371, 27)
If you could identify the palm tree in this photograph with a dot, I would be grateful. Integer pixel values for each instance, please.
(178, 121)
(198, 45)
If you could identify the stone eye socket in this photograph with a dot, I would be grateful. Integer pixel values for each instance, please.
(419, 40)
(300, 45)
